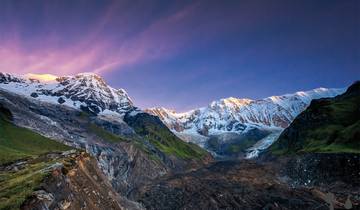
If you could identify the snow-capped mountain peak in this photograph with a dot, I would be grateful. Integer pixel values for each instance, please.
(274, 111)
(231, 102)
(86, 91)
(240, 116)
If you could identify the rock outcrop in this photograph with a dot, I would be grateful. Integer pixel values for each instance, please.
(75, 183)
(127, 158)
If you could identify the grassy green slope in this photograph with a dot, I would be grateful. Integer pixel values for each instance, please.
(151, 128)
(106, 135)
(326, 126)
(16, 186)
(17, 143)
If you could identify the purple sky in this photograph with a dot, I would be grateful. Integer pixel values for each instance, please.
(184, 54)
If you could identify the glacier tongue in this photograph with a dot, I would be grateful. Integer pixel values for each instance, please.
(263, 144)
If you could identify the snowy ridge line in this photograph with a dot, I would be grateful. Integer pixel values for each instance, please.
(233, 115)
(86, 91)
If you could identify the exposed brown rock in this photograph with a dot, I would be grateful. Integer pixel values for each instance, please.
(79, 184)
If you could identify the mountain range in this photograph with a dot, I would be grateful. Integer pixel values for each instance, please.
(234, 126)
(316, 156)
(85, 91)
(74, 142)
(129, 147)
(229, 127)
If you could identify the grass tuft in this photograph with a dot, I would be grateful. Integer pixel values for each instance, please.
(17, 143)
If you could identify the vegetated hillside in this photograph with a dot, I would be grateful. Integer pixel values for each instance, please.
(39, 173)
(121, 154)
(153, 130)
(68, 180)
(329, 125)
(17, 142)
(20, 143)
(127, 156)
(89, 93)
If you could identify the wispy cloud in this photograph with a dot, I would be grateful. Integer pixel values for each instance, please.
(64, 60)
(94, 51)
(162, 38)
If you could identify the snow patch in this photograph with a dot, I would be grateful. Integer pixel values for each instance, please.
(262, 145)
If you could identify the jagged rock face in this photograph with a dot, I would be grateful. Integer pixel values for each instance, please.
(86, 91)
(77, 184)
(72, 128)
(127, 159)
(93, 90)
(126, 166)
(233, 114)
(158, 137)
(238, 117)
(7, 78)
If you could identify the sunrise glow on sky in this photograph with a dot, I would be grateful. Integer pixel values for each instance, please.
(184, 54)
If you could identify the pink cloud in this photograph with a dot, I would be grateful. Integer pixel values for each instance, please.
(162, 38)
(64, 61)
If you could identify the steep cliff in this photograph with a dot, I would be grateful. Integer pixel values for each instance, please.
(126, 156)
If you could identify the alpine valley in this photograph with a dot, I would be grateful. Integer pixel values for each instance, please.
(74, 142)
(234, 127)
